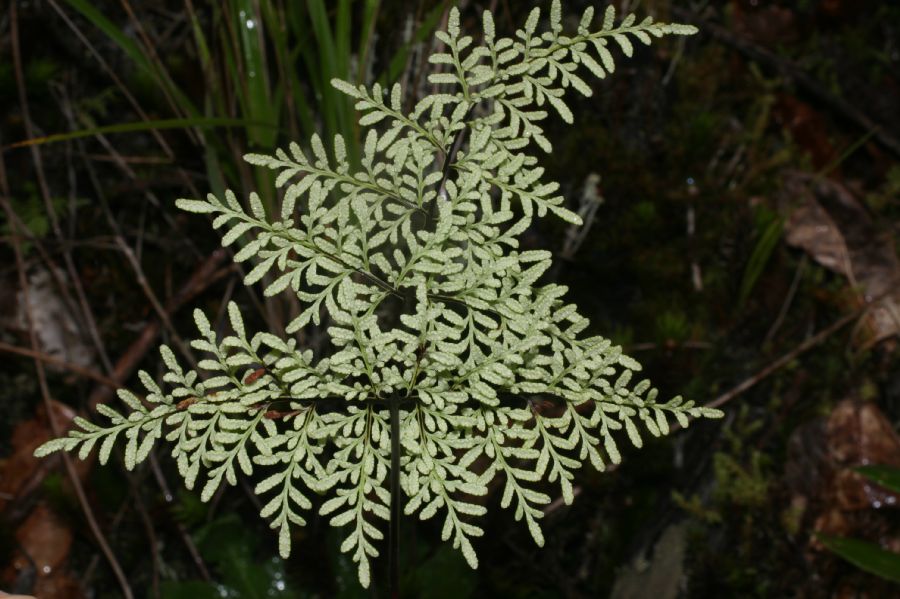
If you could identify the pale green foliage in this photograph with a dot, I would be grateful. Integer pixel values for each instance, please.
(414, 267)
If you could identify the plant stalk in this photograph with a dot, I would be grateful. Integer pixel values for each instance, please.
(394, 530)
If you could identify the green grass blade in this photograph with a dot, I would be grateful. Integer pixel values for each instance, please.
(257, 94)
(342, 40)
(884, 476)
(297, 17)
(133, 51)
(289, 91)
(766, 244)
(369, 19)
(114, 33)
(321, 28)
(866, 556)
(398, 62)
(203, 51)
(198, 122)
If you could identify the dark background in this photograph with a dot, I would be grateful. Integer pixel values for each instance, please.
(750, 191)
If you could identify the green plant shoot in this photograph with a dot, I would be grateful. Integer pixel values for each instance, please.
(412, 264)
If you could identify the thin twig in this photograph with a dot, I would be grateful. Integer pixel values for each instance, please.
(159, 70)
(52, 268)
(115, 522)
(185, 537)
(648, 346)
(804, 347)
(156, 160)
(124, 368)
(151, 537)
(36, 158)
(48, 359)
(126, 93)
(560, 502)
(791, 71)
(131, 174)
(126, 250)
(788, 300)
(23, 283)
(54, 426)
(205, 275)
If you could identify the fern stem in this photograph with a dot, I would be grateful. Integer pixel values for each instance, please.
(450, 156)
(394, 532)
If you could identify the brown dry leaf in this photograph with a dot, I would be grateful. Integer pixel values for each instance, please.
(808, 129)
(860, 434)
(832, 522)
(43, 538)
(21, 472)
(807, 468)
(827, 222)
(58, 331)
(829, 496)
(842, 9)
(43, 544)
(59, 585)
(763, 22)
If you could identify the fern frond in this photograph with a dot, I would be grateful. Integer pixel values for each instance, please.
(411, 259)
